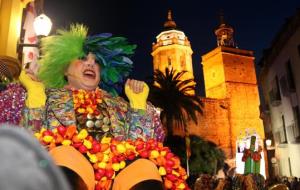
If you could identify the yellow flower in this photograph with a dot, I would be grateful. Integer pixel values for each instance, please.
(181, 186)
(66, 142)
(175, 173)
(93, 158)
(38, 135)
(80, 110)
(105, 158)
(122, 164)
(47, 138)
(154, 154)
(89, 110)
(121, 148)
(116, 166)
(82, 134)
(87, 144)
(129, 146)
(105, 140)
(162, 171)
(80, 96)
(102, 165)
(163, 153)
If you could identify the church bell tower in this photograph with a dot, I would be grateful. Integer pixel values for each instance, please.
(229, 73)
(172, 49)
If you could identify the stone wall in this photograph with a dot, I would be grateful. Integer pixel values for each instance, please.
(214, 125)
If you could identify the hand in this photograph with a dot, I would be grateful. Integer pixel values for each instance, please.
(36, 96)
(137, 93)
(32, 70)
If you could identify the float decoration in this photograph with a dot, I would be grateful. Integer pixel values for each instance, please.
(252, 158)
(109, 156)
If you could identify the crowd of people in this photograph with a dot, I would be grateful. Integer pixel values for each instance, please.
(245, 182)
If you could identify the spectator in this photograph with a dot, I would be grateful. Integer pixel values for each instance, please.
(294, 183)
(25, 165)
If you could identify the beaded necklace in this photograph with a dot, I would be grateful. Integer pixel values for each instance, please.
(91, 112)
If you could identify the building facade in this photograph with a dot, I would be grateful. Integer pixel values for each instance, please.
(280, 82)
(231, 106)
(10, 25)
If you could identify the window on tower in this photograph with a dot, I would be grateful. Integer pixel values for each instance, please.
(182, 62)
(169, 62)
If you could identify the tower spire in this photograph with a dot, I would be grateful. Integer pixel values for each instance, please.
(221, 14)
(170, 23)
(224, 33)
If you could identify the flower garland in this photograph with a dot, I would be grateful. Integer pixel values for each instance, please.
(256, 155)
(86, 102)
(109, 155)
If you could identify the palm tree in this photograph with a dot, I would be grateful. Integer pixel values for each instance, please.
(174, 97)
(206, 157)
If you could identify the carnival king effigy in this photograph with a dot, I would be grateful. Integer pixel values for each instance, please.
(67, 105)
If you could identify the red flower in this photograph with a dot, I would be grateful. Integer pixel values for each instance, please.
(108, 156)
(256, 156)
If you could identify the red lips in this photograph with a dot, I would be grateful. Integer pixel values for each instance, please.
(89, 73)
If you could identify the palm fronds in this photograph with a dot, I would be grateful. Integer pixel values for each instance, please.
(169, 92)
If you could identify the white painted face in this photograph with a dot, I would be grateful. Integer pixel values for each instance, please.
(83, 73)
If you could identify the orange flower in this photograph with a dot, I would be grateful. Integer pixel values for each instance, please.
(110, 157)
(86, 102)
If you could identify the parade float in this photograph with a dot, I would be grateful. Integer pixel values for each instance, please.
(109, 156)
(249, 154)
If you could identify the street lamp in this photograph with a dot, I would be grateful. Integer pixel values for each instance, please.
(269, 145)
(42, 25)
(271, 158)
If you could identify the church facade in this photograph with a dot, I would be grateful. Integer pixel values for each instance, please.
(231, 106)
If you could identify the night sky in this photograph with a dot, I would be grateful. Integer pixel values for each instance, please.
(255, 22)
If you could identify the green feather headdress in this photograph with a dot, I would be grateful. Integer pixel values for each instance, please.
(61, 49)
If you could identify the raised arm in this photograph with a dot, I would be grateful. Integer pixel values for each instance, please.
(33, 114)
(143, 118)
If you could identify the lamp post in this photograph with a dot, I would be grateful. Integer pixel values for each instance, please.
(269, 144)
(41, 26)
(270, 157)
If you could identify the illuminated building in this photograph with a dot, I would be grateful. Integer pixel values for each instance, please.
(231, 106)
(280, 79)
(10, 25)
(173, 50)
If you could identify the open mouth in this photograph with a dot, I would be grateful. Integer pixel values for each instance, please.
(89, 73)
